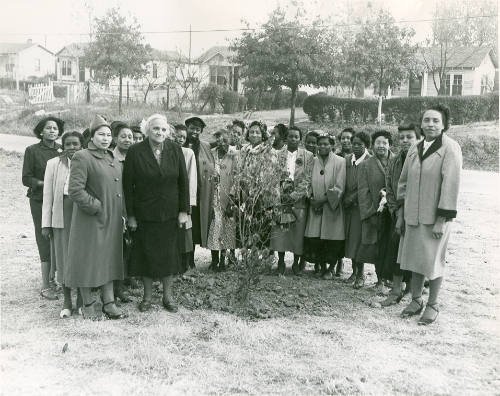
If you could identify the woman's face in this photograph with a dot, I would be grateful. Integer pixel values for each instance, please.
(180, 137)
(293, 139)
(358, 147)
(345, 141)
(432, 124)
(255, 135)
(102, 138)
(125, 139)
(50, 131)
(311, 144)
(71, 146)
(193, 132)
(381, 146)
(158, 130)
(223, 141)
(324, 147)
(406, 139)
(138, 137)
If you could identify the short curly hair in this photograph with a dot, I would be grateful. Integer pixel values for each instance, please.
(73, 134)
(41, 124)
(262, 127)
(383, 133)
(364, 137)
(445, 114)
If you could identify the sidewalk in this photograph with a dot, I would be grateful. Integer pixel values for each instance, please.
(16, 143)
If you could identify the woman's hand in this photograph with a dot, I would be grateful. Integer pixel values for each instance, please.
(182, 219)
(400, 225)
(438, 229)
(47, 232)
(132, 223)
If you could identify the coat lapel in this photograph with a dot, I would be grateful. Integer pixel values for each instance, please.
(330, 171)
(148, 155)
(435, 146)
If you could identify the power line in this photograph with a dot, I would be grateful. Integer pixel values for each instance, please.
(336, 25)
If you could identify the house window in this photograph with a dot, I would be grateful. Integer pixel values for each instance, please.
(9, 67)
(37, 64)
(155, 70)
(66, 68)
(457, 85)
(447, 85)
(485, 85)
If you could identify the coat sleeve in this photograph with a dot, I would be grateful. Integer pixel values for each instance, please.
(48, 194)
(390, 189)
(341, 175)
(366, 207)
(402, 183)
(450, 185)
(128, 182)
(77, 182)
(193, 178)
(28, 175)
(308, 172)
(182, 183)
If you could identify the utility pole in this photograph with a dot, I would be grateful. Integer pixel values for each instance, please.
(190, 44)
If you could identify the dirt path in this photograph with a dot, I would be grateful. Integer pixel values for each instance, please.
(348, 349)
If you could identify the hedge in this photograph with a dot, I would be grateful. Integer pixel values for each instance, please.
(272, 100)
(463, 109)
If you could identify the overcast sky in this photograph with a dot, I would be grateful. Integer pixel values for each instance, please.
(55, 23)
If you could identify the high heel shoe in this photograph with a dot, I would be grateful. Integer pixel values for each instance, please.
(113, 316)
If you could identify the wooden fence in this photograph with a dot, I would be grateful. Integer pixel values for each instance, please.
(41, 93)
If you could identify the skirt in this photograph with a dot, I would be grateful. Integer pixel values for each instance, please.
(60, 240)
(423, 254)
(352, 232)
(318, 250)
(157, 249)
(222, 231)
(42, 243)
(290, 239)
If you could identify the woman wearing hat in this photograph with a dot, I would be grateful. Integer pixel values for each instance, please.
(205, 165)
(156, 189)
(95, 255)
(325, 223)
(35, 162)
(222, 232)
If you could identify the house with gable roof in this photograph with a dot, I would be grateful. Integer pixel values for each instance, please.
(70, 66)
(21, 61)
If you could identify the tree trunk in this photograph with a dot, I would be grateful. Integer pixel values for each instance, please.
(379, 111)
(120, 94)
(292, 106)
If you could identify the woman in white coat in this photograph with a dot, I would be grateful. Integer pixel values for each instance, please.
(429, 186)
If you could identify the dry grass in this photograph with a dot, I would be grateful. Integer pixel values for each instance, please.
(345, 348)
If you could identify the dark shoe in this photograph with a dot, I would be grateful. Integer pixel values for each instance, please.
(145, 305)
(296, 268)
(170, 306)
(316, 268)
(49, 294)
(339, 269)
(91, 311)
(413, 308)
(359, 282)
(392, 299)
(222, 264)
(430, 315)
(327, 275)
(302, 265)
(113, 315)
(281, 268)
(351, 279)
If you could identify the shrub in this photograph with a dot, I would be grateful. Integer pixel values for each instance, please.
(211, 94)
(60, 91)
(273, 100)
(463, 109)
(242, 103)
(230, 101)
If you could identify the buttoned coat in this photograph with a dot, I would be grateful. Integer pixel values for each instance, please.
(371, 179)
(56, 173)
(329, 224)
(394, 168)
(429, 182)
(95, 241)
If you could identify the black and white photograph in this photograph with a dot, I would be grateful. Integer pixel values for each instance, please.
(267, 197)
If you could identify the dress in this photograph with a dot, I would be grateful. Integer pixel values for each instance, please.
(34, 164)
(95, 249)
(222, 232)
(156, 190)
(429, 186)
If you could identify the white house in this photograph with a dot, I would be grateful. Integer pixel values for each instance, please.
(216, 66)
(21, 61)
(70, 66)
(469, 71)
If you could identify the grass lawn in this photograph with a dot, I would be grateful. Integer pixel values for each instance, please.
(329, 340)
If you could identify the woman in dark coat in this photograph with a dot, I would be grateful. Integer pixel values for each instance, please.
(375, 219)
(35, 162)
(360, 146)
(95, 251)
(156, 190)
(429, 186)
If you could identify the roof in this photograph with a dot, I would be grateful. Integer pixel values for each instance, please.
(211, 52)
(167, 55)
(74, 49)
(459, 57)
(14, 48)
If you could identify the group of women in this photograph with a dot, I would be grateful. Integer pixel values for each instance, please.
(102, 216)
